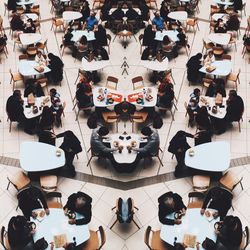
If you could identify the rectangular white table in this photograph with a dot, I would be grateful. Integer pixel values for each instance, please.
(26, 68)
(220, 38)
(71, 15)
(94, 65)
(37, 156)
(178, 15)
(30, 38)
(223, 68)
(211, 156)
(77, 34)
(155, 65)
(56, 223)
(192, 223)
(172, 34)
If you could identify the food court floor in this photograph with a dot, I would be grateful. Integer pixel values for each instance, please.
(104, 197)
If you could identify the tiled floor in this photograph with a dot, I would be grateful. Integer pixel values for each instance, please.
(104, 198)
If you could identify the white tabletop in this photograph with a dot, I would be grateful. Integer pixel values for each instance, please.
(222, 16)
(125, 156)
(30, 38)
(178, 15)
(210, 103)
(172, 34)
(223, 68)
(26, 68)
(150, 90)
(37, 156)
(155, 65)
(192, 223)
(56, 223)
(32, 16)
(77, 34)
(94, 65)
(38, 101)
(223, 2)
(23, 2)
(100, 90)
(71, 15)
(211, 156)
(220, 38)
(124, 10)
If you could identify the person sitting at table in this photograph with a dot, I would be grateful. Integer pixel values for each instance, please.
(193, 106)
(170, 203)
(98, 147)
(16, 23)
(29, 27)
(202, 136)
(71, 146)
(238, 5)
(217, 86)
(85, 11)
(152, 146)
(100, 37)
(11, 4)
(124, 109)
(39, 58)
(164, 11)
(84, 96)
(193, 66)
(178, 146)
(56, 66)
(118, 14)
(47, 136)
(19, 232)
(166, 96)
(233, 23)
(32, 198)
(182, 38)
(202, 119)
(220, 26)
(81, 48)
(219, 199)
(3, 39)
(210, 58)
(80, 203)
(235, 107)
(132, 14)
(149, 37)
(101, 53)
(148, 54)
(144, 11)
(158, 22)
(67, 38)
(33, 87)
(169, 48)
(47, 118)
(56, 105)
(91, 22)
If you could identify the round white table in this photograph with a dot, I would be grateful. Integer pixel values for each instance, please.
(172, 34)
(155, 65)
(38, 101)
(223, 68)
(77, 34)
(25, 2)
(29, 38)
(37, 156)
(32, 16)
(193, 223)
(56, 223)
(124, 10)
(71, 15)
(220, 38)
(26, 68)
(223, 2)
(178, 15)
(211, 156)
(115, 95)
(222, 16)
(94, 65)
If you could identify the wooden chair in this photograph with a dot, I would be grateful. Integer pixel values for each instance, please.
(214, 9)
(111, 117)
(96, 241)
(207, 46)
(54, 200)
(138, 117)
(6, 9)
(80, 73)
(65, 46)
(195, 200)
(112, 82)
(42, 46)
(247, 30)
(137, 82)
(201, 183)
(109, 41)
(230, 180)
(153, 240)
(212, 26)
(31, 51)
(36, 9)
(235, 78)
(141, 42)
(19, 180)
(218, 51)
(150, 4)
(48, 183)
(246, 48)
(157, 155)
(226, 57)
(57, 23)
(93, 154)
(245, 239)
(170, 74)
(233, 42)
(23, 57)
(4, 239)
(192, 22)
(15, 77)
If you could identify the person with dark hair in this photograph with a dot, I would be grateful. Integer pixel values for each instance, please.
(47, 136)
(47, 118)
(193, 105)
(144, 11)
(238, 5)
(182, 38)
(132, 14)
(233, 23)
(101, 37)
(85, 11)
(71, 146)
(166, 96)
(101, 53)
(56, 65)
(31, 198)
(125, 109)
(202, 119)
(29, 26)
(19, 232)
(218, 198)
(16, 23)
(56, 105)
(118, 14)
(164, 11)
(178, 146)
(91, 22)
(193, 66)
(11, 4)
(217, 86)
(67, 38)
(158, 22)
(149, 37)
(202, 136)
(81, 203)
(33, 87)
(148, 54)
(40, 58)
(92, 121)
(169, 203)
(81, 48)
(84, 96)
(220, 27)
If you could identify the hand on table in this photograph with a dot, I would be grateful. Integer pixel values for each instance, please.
(34, 214)
(47, 211)
(52, 245)
(72, 221)
(198, 245)
(177, 222)
(202, 211)
(183, 211)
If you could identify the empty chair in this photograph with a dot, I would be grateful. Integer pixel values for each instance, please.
(138, 82)
(19, 180)
(57, 23)
(48, 183)
(201, 183)
(193, 22)
(230, 180)
(15, 77)
(195, 200)
(218, 51)
(235, 78)
(54, 200)
(112, 82)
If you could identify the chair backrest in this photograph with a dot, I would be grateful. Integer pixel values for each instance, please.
(102, 237)
(147, 237)
(245, 239)
(195, 199)
(112, 82)
(3, 237)
(23, 57)
(226, 57)
(54, 199)
(48, 183)
(137, 82)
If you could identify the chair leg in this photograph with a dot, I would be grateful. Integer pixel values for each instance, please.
(77, 114)
(89, 160)
(136, 223)
(10, 126)
(8, 186)
(74, 106)
(239, 126)
(113, 224)
(160, 160)
(241, 185)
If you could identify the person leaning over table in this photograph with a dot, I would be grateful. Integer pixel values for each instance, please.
(84, 96)
(219, 199)
(118, 14)
(149, 37)
(31, 198)
(29, 26)
(169, 203)
(81, 203)
(193, 66)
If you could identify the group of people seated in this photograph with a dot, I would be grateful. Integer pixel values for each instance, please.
(231, 26)
(229, 229)
(17, 24)
(20, 230)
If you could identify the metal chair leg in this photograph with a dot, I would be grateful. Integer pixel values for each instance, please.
(113, 224)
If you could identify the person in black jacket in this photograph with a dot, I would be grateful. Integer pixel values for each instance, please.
(47, 136)
(166, 96)
(47, 118)
(118, 14)
(19, 232)
(71, 146)
(202, 119)
(193, 66)
(178, 146)
(81, 203)
(12, 5)
(218, 198)
(34, 87)
(169, 203)
(31, 198)
(125, 109)
(100, 37)
(84, 96)
(85, 11)
(149, 37)
(56, 66)
(217, 86)
(16, 23)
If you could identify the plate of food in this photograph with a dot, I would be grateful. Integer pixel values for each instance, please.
(133, 144)
(100, 98)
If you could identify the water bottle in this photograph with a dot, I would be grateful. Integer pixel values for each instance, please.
(74, 240)
(105, 95)
(175, 240)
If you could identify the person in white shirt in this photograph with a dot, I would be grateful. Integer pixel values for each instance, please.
(39, 58)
